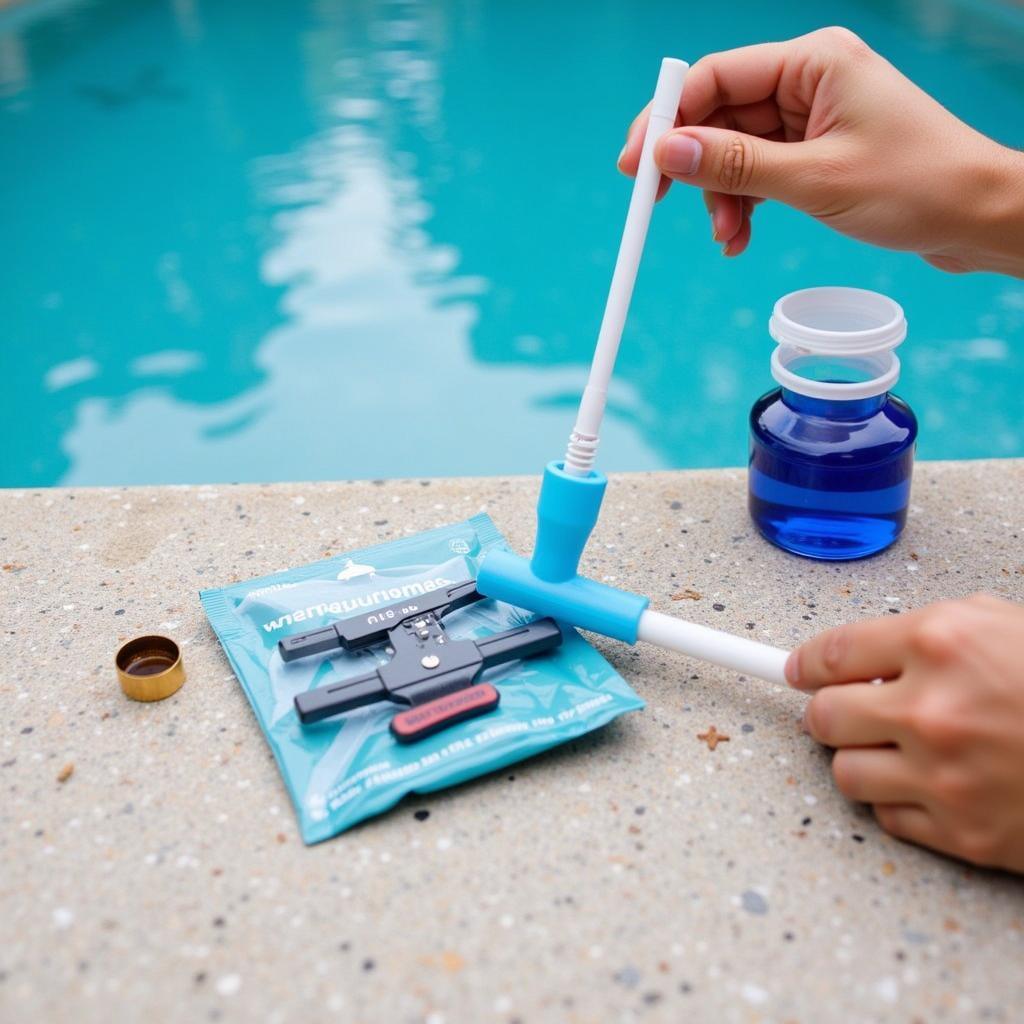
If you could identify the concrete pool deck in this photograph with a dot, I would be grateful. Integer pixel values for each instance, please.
(635, 874)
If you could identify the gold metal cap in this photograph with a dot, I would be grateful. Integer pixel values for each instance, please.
(149, 668)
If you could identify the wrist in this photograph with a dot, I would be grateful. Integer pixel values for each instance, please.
(995, 205)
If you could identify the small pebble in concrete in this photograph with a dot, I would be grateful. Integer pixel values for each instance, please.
(628, 977)
(753, 902)
(63, 917)
(753, 994)
(228, 984)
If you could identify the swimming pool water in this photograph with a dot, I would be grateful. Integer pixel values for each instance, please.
(298, 240)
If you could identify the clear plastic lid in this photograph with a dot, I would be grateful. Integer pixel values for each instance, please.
(837, 342)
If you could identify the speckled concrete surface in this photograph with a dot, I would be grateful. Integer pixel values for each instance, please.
(635, 875)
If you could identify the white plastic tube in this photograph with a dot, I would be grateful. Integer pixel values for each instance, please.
(664, 108)
(734, 652)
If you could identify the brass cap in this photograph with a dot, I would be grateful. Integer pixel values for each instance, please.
(149, 668)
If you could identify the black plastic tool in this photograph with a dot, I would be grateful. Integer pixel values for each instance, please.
(426, 668)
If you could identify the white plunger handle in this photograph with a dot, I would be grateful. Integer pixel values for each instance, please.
(663, 113)
(725, 649)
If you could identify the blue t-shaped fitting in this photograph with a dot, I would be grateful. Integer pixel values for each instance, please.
(549, 585)
(567, 512)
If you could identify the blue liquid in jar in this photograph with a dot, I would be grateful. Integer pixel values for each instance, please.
(830, 479)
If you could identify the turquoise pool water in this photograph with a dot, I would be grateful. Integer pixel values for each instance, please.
(294, 240)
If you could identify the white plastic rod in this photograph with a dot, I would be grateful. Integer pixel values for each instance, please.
(735, 652)
(664, 109)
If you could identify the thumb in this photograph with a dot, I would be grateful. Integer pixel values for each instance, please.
(720, 160)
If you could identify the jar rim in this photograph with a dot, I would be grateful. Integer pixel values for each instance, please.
(887, 363)
(838, 321)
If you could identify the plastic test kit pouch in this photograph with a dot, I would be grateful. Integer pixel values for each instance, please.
(351, 766)
(831, 450)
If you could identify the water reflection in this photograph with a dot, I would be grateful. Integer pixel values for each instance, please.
(371, 372)
(371, 359)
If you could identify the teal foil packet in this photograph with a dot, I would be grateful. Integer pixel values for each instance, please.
(348, 768)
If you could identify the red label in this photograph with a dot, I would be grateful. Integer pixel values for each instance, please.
(428, 718)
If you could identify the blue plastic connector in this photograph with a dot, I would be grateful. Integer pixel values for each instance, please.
(567, 512)
(549, 584)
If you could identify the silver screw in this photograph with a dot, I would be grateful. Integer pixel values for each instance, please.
(430, 661)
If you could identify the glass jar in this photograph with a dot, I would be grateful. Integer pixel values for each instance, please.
(831, 450)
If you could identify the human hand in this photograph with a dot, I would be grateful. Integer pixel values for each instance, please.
(939, 748)
(826, 125)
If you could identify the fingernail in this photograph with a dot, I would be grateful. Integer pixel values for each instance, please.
(792, 669)
(714, 229)
(618, 163)
(680, 154)
(803, 725)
